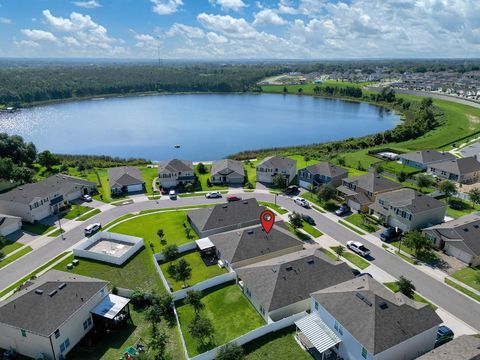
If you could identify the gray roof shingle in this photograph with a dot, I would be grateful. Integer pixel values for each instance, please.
(124, 176)
(427, 156)
(465, 347)
(235, 167)
(413, 201)
(459, 166)
(175, 165)
(373, 183)
(278, 162)
(378, 318)
(291, 278)
(327, 169)
(43, 314)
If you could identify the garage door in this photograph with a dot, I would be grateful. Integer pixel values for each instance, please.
(459, 254)
(74, 195)
(135, 188)
(304, 184)
(354, 205)
(7, 230)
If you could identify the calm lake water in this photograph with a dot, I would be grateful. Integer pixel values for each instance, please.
(206, 126)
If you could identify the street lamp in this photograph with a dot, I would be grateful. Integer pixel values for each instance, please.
(60, 226)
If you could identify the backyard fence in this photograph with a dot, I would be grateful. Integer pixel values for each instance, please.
(126, 293)
(254, 334)
(204, 285)
(181, 249)
(164, 280)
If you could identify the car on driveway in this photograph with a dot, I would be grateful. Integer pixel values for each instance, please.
(172, 194)
(342, 210)
(92, 228)
(87, 198)
(292, 189)
(358, 247)
(233, 198)
(390, 233)
(444, 335)
(301, 201)
(213, 195)
(308, 219)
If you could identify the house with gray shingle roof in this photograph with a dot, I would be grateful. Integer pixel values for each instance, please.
(360, 191)
(408, 209)
(274, 165)
(362, 319)
(225, 217)
(422, 159)
(321, 173)
(227, 171)
(51, 314)
(464, 170)
(459, 238)
(464, 347)
(125, 179)
(252, 244)
(36, 201)
(9, 224)
(172, 173)
(281, 286)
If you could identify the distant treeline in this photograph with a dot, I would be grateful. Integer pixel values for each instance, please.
(24, 82)
(99, 161)
(419, 118)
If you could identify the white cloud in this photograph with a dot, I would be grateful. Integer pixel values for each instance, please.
(226, 5)
(39, 35)
(227, 25)
(4, 20)
(26, 44)
(166, 7)
(268, 17)
(90, 4)
(216, 39)
(185, 30)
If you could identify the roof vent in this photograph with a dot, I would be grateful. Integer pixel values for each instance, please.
(250, 232)
(476, 226)
(383, 305)
(311, 262)
(62, 286)
(465, 229)
(39, 291)
(245, 202)
(52, 293)
(289, 268)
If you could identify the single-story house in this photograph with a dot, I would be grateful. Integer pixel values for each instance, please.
(464, 347)
(227, 171)
(49, 315)
(321, 173)
(9, 224)
(362, 319)
(250, 245)
(225, 217)
(274, 165)
(408, 209)
(125, 179)
(172, 173)
(36, 201)
(281, 286)
(360, 191)
(459, 238)
(422, 159)
(461, 170)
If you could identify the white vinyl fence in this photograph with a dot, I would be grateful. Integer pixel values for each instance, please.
(181, 249)
(204, 285)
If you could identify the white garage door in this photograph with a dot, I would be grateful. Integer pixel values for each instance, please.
(7, 230)
(134, 188)
(354, 205)
(74, 195)
(459, 254)
(304, 184)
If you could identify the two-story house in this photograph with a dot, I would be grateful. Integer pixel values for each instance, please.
(172, 173)
(321, 173)
(227, 171)
(422, 159)
(362, 319)
(36, 201)
(276, 165)
(360, 191)
(461, 170)
(408, 209)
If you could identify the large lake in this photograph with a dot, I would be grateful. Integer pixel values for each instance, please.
(206, 126)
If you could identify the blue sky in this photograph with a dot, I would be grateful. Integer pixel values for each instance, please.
(240, 29)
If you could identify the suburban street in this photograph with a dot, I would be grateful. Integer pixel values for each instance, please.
(457, 304)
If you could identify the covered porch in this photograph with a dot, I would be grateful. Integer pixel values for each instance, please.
(207, 251)
(112, 311)
(321, 342)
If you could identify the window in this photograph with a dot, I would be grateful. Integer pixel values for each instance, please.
(89, 321)
(62, 347)
(364, 353)
(316, 305)
(85, 325)
(67, 343)
(57, 334)
(336, 326)
(24, 333)
(340, 330)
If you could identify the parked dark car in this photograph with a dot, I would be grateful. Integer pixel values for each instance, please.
(355, 272)
(342, 210)
(233, 198)
(444, 335)
(292, 189)
(308, 219)
(390, 233)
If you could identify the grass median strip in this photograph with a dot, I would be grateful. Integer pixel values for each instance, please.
(347, 225)
(38, 229)
(56, 233)
(311, 230)
(359, 221)
(76, 211)
(462, 289)
(353, 258)
(15, 256)
(277, 208)
(89, 215)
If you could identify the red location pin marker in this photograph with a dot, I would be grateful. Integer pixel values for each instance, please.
(267, 219)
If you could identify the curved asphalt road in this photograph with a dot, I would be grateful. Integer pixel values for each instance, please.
(457, 304)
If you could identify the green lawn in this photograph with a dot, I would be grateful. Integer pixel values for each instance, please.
(89, 215)
(200, 271)
(75, 211)
(330, 254)
(56, 233)
(301, 163)
(149, 173)
(462, 289)
(98, 176)
(203, 180)
(359, 160)
(9, 246)
(302, 236)
(356, 219)
(229, 310)
(147, 226)
(347, 225)
(417, 297)
(428, 258)
(468, 276)
(279, 345)
(276, 208)
(360, 262)
(251, 173)
(38, 229)
(395, 168)
(15, 256)
(466, 208)
(311, 230)
(329, 205)
(138, 272)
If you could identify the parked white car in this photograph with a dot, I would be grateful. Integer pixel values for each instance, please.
(92, 228)
(213, 195)
(358, 247)
(172, 194)
(87, 198)
(301, 201)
